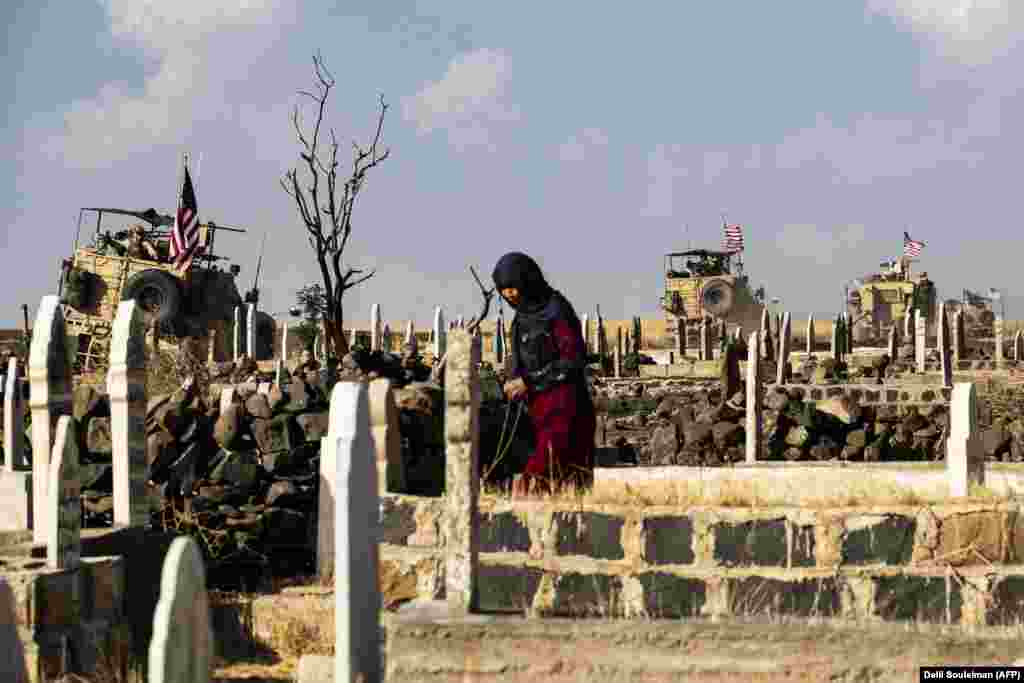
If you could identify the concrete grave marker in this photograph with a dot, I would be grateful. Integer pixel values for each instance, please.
(250, 331)
(386, 436)
(810, 334)
(356, 513)
(126, 384)
(965, 451)
(958, 336)
(236, 341)
(376, 330)
(462, 473)
(1018, 346)
(585, 325)
(440, 333)
(617, 359)
(785, 348)
(755, 391)
(181, 650)
(64, 505)
(12, 653)
(920, 341)
(283, 352)
(1000, 353)
(49, 375)
(14, 418)
(945, 352)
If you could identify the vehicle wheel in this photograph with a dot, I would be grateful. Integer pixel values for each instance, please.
(158, 296)
(717, 297)
(264, 336)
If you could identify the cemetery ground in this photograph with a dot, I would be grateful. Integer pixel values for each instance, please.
(718, 578)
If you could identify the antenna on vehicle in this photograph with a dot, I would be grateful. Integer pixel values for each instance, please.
(253, 295)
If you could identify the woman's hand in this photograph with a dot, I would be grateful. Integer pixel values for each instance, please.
(515, 388)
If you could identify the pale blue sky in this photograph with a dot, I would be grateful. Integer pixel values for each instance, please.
(584, 136)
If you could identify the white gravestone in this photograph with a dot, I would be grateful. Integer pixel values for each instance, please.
(126, 384)
(14, 418)
(64, 513)
(965, 451)
(375, 328)
(49, 375)
(357, 598)
(754, 399)
(181, 649)
(237, 335)
(439, 333)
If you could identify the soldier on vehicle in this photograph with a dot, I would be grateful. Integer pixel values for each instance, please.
(137, 246)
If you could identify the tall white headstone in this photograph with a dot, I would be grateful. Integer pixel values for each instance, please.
(49, 375)
(126, 384)
(356, 513)
(755, 392)
(376, 329)
(920, 341)
(586, 333)
(237, 336)
(810, 334)
(965, 451)
(785, 348)
(14, 418)
(283, 353)
(181, 649)
(250, 331)
(440, 333)
(64, 502)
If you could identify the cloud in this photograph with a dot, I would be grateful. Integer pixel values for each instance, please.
(577, 147)
(469, 101)
(973, 31)
(182, 85)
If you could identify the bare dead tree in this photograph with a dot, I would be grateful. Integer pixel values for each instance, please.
(326, 202)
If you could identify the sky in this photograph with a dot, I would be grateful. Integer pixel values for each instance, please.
(595, 139)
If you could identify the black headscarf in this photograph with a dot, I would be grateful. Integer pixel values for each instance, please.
(539, 303)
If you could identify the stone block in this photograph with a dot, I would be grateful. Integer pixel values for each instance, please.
(1007, 604)
(503, 532)
(667, 596)
(759, 596)
(397, 520)
(668, 540)
(802, 546)
(505, 588)
(754, 543)
(586, 595)
(934, 599)
(589, 533)
(103, 587)
(963, 537)
(889, 540)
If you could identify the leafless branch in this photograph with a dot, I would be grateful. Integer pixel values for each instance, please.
(488, 294)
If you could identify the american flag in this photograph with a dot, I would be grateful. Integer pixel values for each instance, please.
(185, 234)
(911, 248)
(733, 240)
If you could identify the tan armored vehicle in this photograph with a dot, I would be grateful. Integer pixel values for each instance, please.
(879, 300)
(701, 283)
(129, 258)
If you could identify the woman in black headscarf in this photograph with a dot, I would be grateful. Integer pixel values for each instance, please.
(547, 357)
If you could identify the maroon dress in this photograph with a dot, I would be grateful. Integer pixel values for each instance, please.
(562, 415)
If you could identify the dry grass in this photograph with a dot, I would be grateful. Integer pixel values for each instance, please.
(736, 494)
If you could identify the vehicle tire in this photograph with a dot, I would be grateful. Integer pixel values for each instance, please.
(717, 297)
(264, 336)
(157, 294)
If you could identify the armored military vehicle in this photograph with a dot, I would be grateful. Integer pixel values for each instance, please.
(700, 283)
(129, 258)
(882, 299)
